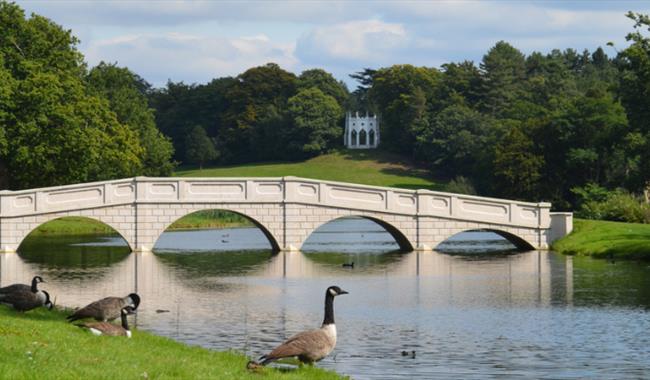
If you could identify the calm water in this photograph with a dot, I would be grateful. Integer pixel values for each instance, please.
(470, 315)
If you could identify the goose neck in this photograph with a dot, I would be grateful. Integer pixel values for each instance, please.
(329, 310)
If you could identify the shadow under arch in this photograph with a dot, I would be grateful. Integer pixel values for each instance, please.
(275, 246)
(516, 243)
(397, 235)
(74, 242)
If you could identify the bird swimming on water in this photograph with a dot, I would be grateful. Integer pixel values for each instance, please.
(313, 345)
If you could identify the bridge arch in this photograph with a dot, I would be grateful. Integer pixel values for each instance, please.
(124, 234)
(517, 241)
(182, 212)
(398, 235)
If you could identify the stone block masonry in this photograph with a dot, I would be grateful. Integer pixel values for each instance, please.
(286, 209)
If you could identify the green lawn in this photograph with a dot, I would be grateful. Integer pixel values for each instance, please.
(604, 239)
(40, 344)
(368, 167)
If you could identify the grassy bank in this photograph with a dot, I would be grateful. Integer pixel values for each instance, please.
(85, 226)
(371, 167)
(40, 345)
(605, 239)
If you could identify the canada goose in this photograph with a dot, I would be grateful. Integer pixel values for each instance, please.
(25, 300)
(107, 328)
(106, 309)
(313, 345)
(15, 287)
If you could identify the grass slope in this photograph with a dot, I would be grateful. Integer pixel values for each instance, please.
(605, 239)
(39, 344)
(368, 167)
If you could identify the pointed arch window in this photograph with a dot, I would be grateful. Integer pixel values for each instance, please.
(353, 136)
(362, 137)
(371, 138)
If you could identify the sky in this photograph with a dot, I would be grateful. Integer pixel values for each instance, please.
(196, 41)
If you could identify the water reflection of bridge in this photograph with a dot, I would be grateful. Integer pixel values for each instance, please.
(519, 278)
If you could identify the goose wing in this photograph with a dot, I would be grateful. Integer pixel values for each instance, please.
(15, 288)
(105, 309)
(312, 345)
(22, 300)
(105, 328)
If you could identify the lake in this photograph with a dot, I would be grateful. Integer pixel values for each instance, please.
(478, 309)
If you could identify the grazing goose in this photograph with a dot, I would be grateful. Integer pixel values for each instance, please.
(313, 345)
(16, 287)
(107, 328)
(25, 300)
(106, 309)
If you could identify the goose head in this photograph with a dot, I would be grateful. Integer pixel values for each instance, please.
(48, 303)
(129, 310)
(135, 300)
(335, 291)
(35, 281)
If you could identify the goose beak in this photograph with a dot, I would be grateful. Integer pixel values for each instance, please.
(343, 292)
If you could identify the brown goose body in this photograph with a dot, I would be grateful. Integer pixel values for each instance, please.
(312, 345)
(25, 300)
(308, 346)
(107, 328)
(106, 309)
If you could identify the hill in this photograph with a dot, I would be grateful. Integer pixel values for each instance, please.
(368, 167)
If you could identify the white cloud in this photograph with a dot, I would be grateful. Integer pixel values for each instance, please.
(356, 41)
(199, 40)
(189, 58)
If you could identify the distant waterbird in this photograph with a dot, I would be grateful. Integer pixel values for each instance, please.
(313, 345)
(348, 265)
(107, 328)
(106, 309)
(410, 354)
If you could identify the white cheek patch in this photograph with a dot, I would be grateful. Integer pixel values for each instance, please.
(332, 292)
(95, 331)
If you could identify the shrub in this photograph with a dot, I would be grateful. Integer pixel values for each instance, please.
(461, 185)
(617, 205)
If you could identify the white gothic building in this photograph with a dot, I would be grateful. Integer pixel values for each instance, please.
(361, 132)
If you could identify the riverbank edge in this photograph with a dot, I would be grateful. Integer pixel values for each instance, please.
(41, 344)
(80, 226)
(606, 240)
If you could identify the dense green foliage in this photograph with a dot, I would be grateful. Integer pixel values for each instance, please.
(606, 240)
(126, 93)
(64, 125)
(40, 344)
(265, 113)
(199, 147)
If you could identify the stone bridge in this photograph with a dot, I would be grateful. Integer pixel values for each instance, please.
(286, 209)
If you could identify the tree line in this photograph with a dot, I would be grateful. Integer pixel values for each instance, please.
(561, 126)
